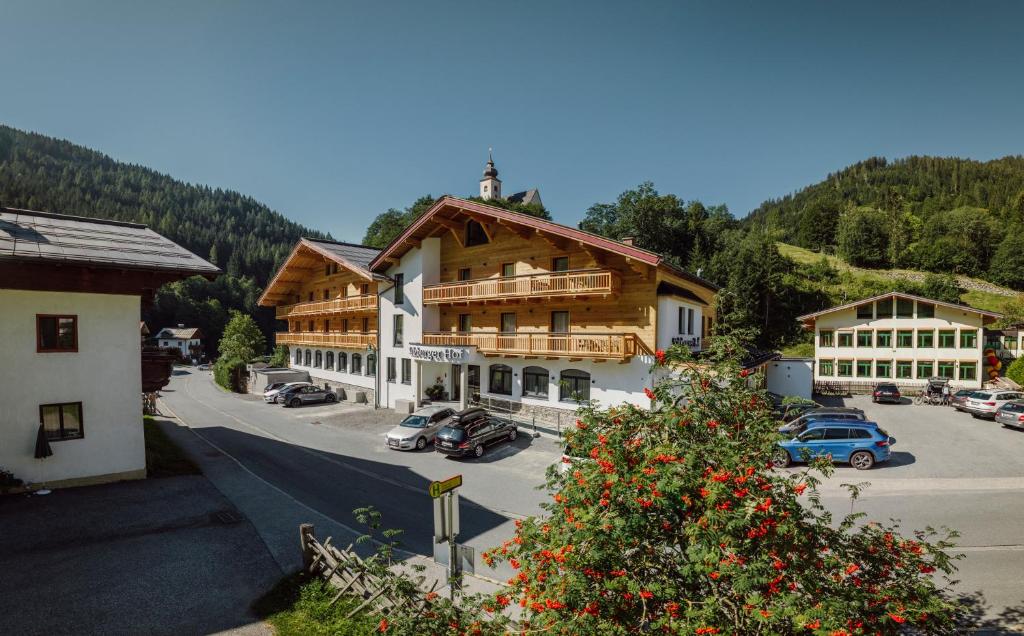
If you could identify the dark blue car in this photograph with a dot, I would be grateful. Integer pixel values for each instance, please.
(861, 444)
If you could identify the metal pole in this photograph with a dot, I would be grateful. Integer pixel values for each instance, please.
(452, 549)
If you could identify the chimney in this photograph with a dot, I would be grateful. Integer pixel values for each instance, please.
(627, 240)
(181, 326)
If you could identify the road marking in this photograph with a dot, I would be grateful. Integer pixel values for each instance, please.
(926, 485)
(987, 548)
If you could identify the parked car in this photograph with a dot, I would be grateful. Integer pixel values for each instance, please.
(468, 415)
(798, 425)
(459, 440)
(270, 394)
(306, 394)
(959, 399)
(203, 367)
(986, 403)
(886, 392)
(1011, 414)
(419, 428)
(862, 444)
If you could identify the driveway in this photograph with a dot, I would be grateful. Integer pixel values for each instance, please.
(163, 556)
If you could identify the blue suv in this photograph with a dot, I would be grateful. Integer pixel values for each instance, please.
(862, 444)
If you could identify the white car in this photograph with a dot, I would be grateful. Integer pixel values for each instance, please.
(986, 403)
(420, 428)
(270, 395)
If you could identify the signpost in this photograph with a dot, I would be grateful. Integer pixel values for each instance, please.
(446, 524)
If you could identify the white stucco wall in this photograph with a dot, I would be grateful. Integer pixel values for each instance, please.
(176, 343)
(333, 375)
(668, 322)
(791, 377)
(104, 375)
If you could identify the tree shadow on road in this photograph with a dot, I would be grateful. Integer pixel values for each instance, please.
(979, 620)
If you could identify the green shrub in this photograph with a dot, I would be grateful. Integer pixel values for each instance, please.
(1016, 371)
(280, 357)
(228, 372)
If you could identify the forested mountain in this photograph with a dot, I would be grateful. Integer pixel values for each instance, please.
(931, 213)
(235, 232)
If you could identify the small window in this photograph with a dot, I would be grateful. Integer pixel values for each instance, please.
(883, 369)
(574, 386)
(825, 338)
(62, 421)
(925, 339)
(689, 321)
(465, 323)
(825, 368)
(946, 370)
(56, 333)
(863, 368)
(904, 308)
(508, 270)
(925, 310)
(364, 289)
(864, 338)
(475, 234)
(947, 339)
(866, 311)
(904, 339)
(357, 364)
(327, 294)
(366, 325)
(371, 364)
(406, 371)
(309, 358)
(884, 308)
(508, 322)
(399, 289)
(298, 356)
(924, 370)
(392, 370)
(501, 379)
(329, 360)
(560, 264)
(969, 339)
(904, 370)
(845, 368)
(859, 433)
(535, 382)
(397, 335)
(327, 325)
(465, 274)
(883, 339)
(344, 325)
(342, 361)
(968, 370)
(318, 359)
(845, 339)
(559, 322)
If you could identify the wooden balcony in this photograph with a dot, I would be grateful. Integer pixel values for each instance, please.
(328, 339)
(350, 304)
(577, 283)
(597, 346)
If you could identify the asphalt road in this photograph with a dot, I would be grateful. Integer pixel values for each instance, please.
(949, 470)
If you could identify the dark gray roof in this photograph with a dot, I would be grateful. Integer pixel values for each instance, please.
(30, 236)
(359, 255)
(526, 196)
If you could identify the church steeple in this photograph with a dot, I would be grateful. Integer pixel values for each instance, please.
(490, 185)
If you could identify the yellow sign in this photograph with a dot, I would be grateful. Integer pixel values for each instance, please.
(438, 488)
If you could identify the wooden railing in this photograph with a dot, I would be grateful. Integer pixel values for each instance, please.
(328, 339)
(574, 283)
(336, 305)
(617, 346)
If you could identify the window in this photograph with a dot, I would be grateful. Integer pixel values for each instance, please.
(327, 325)
(904, 308)
(364, 289)
(329, 360)
(845, 368)
(298, 356)
(574, 386)
(508, 270)
(864, 338)
(825, 368)
(559, 322)
(884, 308)
(1011, 344)
(465, 323)
(947, 339)
(406, 371)
(327, 270)
(825, 338)
(342, 361)
(309, 358)
(925, 339)
(904, 339)
(883, 339)
(946, 370)
(883, 369)
(357, 364)
(689, 321)
(845, 339)
(866, 311)
(310, 296)
(397, 335)
(464, 274)
(501, 379)
(371, 364)
(508, 322)
(399, 289)
(925, 310)
(863, 368)
(62, 421)
(968, 370)
(392, 371)
(318, 359)
(366, 325)
(475, 234)
(904, 369)
(344, 325)
(560, 264)
(535, 382)
(813, 435)
(969, 339)
(312, 325)
(327, 294)
(837, 433)
(56, 333)
(924, 370)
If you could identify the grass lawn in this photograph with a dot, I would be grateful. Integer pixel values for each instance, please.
(163, 457)
(299, 606)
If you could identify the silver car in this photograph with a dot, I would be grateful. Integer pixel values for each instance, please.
(986, 403)
(419, 428)
(270, 395)
(1011, 414)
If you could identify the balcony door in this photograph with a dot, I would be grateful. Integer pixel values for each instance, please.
(559, 322)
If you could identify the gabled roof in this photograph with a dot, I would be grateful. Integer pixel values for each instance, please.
(29, 236)
(186, 333)
(526, 197)
(447, 203)
(988, 314)
(355, 258)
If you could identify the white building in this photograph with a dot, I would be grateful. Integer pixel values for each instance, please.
(71, 290)
(187, 340)
(899, 337)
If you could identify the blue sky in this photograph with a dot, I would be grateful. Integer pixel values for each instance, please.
(333, 112)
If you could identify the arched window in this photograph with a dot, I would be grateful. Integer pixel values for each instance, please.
(371, 364)
(329, 360)
(535, 382)
(298, 356)
(357, 364)
(574, 386)
(318, 359)
(501, 379)
(308, 357)
(342, 361)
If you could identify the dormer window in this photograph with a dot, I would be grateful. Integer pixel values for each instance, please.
(475, 234)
